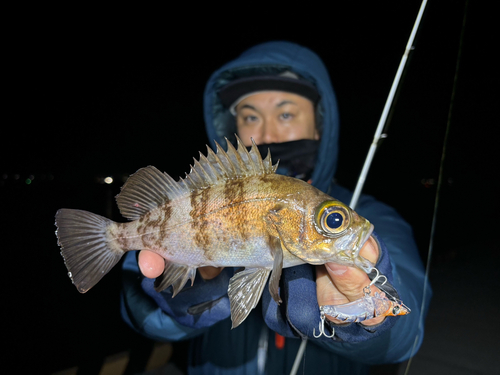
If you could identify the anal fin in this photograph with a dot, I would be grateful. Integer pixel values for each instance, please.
(176, 275)
(245, 290)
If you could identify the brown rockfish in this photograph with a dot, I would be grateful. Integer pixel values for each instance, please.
(231, 210)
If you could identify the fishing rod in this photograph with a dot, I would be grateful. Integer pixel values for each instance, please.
(376, 139)
(383, 118)
(440, 181)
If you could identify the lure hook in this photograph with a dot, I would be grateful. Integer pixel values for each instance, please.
(379, 276)
(322, 326)
(367, 290)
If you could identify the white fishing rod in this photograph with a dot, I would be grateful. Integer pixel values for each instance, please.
(383, 118)
(371, 152)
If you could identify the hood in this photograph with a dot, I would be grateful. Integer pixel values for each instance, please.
(275, 58)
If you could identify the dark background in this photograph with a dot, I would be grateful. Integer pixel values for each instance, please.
(92, 93)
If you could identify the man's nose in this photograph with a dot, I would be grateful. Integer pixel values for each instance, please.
(269, 132)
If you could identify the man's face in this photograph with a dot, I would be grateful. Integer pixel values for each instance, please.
(275, 117)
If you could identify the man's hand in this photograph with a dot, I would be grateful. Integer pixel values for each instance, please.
(152, 266)
(336, 284)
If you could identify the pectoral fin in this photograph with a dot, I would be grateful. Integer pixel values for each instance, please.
(277, 253)
(176, 275)
(245, 289)
(277, 246)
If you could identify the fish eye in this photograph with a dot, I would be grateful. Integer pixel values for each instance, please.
(395, 310)
(333, 217)
(334, 220)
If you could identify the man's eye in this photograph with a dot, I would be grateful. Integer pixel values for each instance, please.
(286, 116)
(251, 118)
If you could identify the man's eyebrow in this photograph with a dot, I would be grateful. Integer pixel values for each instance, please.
(248, 106)
(285, 102)
(280, 104)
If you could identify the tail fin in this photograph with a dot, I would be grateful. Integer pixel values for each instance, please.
(84, 247)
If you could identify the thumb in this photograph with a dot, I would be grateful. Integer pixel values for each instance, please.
(350, 281)
(151, 264)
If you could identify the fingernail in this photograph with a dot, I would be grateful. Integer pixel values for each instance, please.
(336, 269)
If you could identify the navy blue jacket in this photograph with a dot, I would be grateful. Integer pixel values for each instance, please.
(215, 348)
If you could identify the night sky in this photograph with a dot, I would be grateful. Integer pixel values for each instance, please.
(89, 97)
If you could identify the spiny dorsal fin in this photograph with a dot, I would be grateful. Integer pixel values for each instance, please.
(219, 167)
(149, 188)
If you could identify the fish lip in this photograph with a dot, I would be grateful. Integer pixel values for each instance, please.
(368, 234)
(365, 238)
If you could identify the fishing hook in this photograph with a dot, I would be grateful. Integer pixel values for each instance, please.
(322, 326)
(376, 278)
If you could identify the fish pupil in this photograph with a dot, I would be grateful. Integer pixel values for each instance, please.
(334, 220)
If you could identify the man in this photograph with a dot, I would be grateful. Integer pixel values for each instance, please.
(280, 95)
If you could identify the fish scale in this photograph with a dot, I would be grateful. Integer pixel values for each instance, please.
(231, 210)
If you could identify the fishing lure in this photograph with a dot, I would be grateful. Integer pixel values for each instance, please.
(367, 307)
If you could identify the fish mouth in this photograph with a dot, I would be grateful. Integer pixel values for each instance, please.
(367, 234)
(364, 238)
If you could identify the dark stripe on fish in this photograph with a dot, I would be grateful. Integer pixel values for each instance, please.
(153, 226)
(200, 223)
(122, 240)
(235, 191)
(167, 214)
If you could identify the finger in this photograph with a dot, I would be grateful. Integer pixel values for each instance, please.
(151, 264)
(210, 272)
(347, 283)
(326, 291)
(350, 281)
(328, 294)
(370, 250)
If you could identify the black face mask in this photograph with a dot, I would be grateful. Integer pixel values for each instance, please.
(296, 158)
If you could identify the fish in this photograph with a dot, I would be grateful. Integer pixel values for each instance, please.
(230, 210)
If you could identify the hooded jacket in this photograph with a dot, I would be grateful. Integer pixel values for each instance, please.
(201, 312)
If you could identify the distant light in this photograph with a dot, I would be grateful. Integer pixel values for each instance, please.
(108, 180)
(28, 181)
(427, 182)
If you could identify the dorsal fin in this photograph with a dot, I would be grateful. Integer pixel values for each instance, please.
(236, 163)
(145, 190)
(149, 188)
